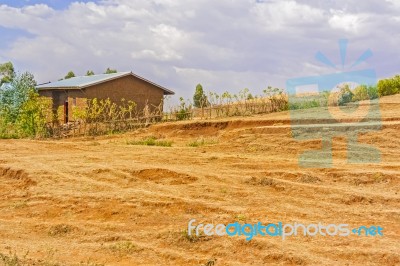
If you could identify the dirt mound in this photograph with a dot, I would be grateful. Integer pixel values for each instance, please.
(164, 176)
(13, 174)
(20, 177)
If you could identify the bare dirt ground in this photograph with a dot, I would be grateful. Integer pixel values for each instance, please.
(100, 201)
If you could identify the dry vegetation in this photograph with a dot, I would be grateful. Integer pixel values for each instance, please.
(102, 201)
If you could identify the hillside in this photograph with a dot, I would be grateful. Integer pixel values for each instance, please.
(102, 201)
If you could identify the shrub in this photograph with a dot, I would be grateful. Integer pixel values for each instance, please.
(33, 116)
(361, 93)
(364, 92)
(389, 86)
(184, 111)
(304, 104)
(345, 95)
(372, 92)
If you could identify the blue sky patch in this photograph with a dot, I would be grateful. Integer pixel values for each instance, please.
(8, 36)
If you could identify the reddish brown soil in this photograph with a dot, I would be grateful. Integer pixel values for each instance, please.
(100, 201)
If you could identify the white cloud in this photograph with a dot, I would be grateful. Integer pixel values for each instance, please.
(223, 44)
(277, 15)
(39, 10)
(349, 22)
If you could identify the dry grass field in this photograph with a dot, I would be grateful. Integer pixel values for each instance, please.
(102, 201)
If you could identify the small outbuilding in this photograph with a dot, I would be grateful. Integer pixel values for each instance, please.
(68, 93)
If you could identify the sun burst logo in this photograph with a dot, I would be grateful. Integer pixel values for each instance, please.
(321, 107)
(343, 52)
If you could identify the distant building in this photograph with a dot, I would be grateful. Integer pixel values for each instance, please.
(68, 93)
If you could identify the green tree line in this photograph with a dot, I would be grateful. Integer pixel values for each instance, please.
(71, 73)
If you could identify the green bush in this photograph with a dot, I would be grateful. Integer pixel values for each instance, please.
(308, 101)
(389, 86)
(304, 104)
(364, 92)
(345, 95)
(33, 116)
(184, 111)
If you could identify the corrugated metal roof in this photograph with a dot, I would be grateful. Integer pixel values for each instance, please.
(87, 81)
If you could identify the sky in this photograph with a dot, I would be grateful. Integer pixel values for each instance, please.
(226, 45)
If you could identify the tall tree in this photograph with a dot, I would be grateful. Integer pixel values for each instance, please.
(89, 73)
(16, 95)
(110, 71)
(69, 75)
(7, 72)
(199, 98)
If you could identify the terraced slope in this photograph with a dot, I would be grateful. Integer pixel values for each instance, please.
(103, 202)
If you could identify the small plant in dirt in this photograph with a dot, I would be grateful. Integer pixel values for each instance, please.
(309, 179)
(89, 263)
(150, 141)
(192, 237)
(12, 259)
(60, 229)
(201, 142)
(264, 181)
(19, 204)
(123, 248)
(210, 262)
(378, 178)
(240, 217)
(197, 143)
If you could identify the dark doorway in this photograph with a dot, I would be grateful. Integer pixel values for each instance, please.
(66, 111)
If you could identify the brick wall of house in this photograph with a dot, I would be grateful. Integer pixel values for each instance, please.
(128, 88)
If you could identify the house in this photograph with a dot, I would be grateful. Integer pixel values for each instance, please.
(68, 93)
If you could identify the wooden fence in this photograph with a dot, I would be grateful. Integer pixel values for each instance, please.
(94, 127)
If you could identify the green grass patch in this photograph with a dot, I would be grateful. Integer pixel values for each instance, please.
(307, 102)
(150, 141)
(201, 142)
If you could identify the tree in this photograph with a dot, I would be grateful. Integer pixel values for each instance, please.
(7, 72)
(199, 98)
(69, 75)
(89, 73)
(35, 112)
(17, 93)
(345, 94)
(110, 71)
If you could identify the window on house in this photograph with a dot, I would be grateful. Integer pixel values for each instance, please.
(74, 101)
